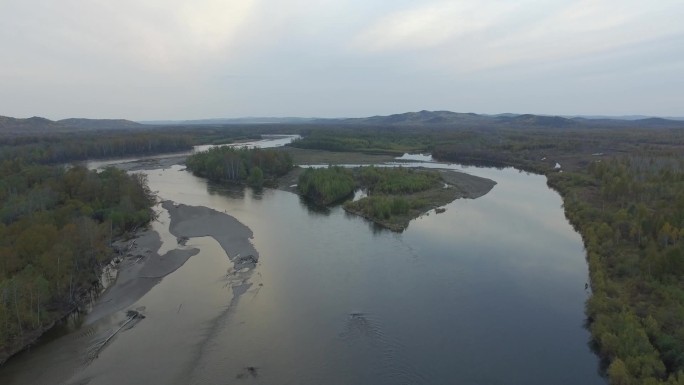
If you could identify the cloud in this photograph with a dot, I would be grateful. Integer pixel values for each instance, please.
(430, 25)
(176, 58)
(472, 36)
(158, 35)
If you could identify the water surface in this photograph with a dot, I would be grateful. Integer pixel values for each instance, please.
(489, 292)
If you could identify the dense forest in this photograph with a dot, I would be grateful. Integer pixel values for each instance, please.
(392, 200)
(55, 227)
(377, 140)
(63, 148)
(397, 194)
(630, 212)
(49, 147)
(254, 167)
(333, 184)
(397, 180)
(325, 186)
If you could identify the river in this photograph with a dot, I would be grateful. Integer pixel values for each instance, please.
(491, 291)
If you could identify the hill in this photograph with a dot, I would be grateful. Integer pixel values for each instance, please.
(42, 125)
(424, 118)
(472, 120)
(100, 124)
(228, 121)
(34, 124)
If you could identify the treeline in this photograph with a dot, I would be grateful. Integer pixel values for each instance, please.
(391, 200)
(391, 194)
(63, 148)
(382, 207)
(254, 166)
(630, 212)
(483, 147)
(55, 227)
(377, 140)
(533, 149)
(325, 186)
(397, 180)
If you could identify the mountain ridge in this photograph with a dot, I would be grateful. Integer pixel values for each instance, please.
(40, 124)
(418, 118)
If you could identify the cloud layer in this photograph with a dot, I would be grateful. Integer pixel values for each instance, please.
(171, 59)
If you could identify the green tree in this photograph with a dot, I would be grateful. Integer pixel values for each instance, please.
(256, 177)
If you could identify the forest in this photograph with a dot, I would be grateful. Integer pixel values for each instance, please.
(397, 180)
(49, 148)
(392, 199)
(325, 186)
(254, 167)
(397, 194)
(630, 212)
(56, 225)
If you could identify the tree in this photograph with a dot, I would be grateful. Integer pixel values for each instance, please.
(256, 177)
(618, 373)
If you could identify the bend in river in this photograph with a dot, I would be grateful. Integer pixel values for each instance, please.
(489, 292)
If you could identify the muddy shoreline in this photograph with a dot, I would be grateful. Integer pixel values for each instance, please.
(143, 267)
(126, 254)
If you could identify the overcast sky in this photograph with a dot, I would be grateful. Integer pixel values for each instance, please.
(173, 59)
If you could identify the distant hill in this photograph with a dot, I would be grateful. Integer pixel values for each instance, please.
(38, 124)
(99, 124)
(435, 118)
(227, 121)
(33, 124)
(416, 118)
(539, 120)
(455, 119)
(622, 117)
(409, 119)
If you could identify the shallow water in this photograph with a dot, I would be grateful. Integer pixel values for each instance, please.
(489, 292)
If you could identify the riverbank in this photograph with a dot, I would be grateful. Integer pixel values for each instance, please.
(138, 265)
(142, 267)
(126, 262)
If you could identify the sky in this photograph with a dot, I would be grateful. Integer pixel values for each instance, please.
(173, 59)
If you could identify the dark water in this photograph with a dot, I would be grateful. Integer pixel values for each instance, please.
(489, 292)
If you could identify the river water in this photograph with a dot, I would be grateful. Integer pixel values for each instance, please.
(489, 292)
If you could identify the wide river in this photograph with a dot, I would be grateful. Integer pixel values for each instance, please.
(490, 292)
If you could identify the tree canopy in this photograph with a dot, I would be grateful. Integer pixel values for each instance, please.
(55, 227)
(253, 166)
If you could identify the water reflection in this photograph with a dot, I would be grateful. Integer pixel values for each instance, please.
(313, 209)
(229, 190)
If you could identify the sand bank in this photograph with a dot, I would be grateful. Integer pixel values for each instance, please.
(199, 221)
